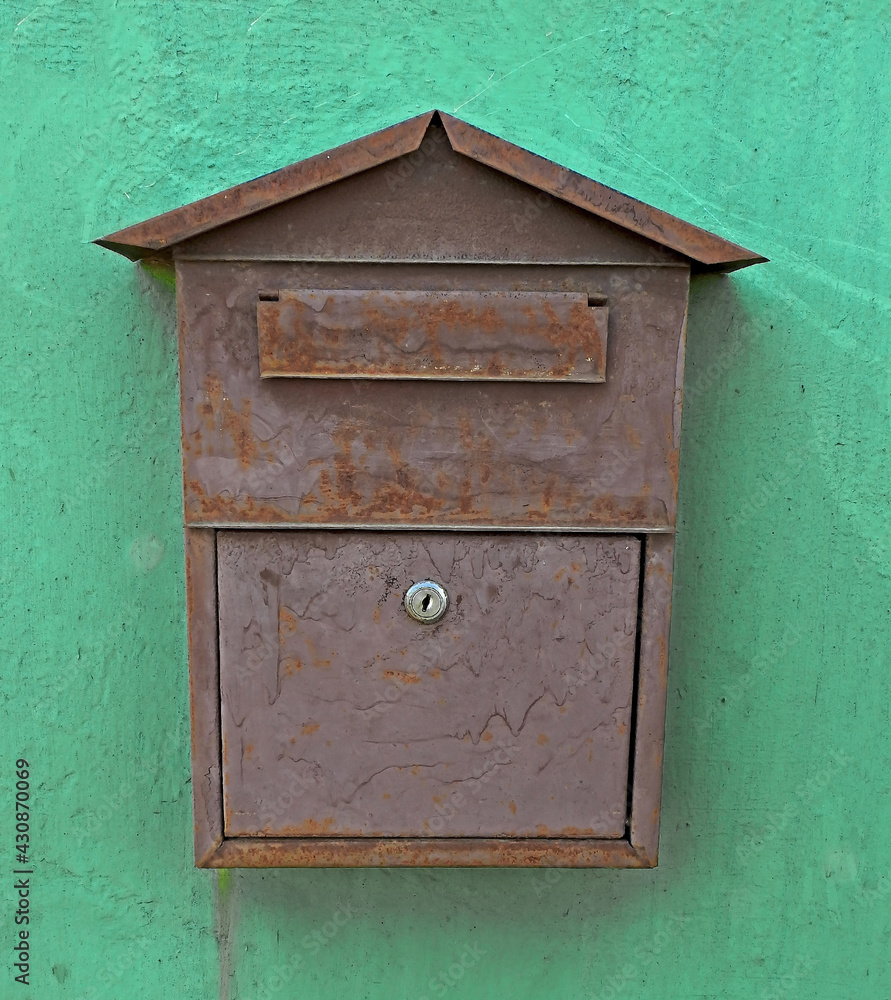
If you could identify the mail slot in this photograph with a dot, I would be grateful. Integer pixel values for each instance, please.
(431, 400)
(521, 336)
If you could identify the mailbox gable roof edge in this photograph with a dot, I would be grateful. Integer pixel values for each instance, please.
(158, 235)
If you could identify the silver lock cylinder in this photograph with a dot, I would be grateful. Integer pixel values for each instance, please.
(426, 601)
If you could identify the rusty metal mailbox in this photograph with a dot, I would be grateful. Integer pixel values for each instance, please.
(431, 400)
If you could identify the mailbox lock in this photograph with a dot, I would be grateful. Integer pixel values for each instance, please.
(426, 601)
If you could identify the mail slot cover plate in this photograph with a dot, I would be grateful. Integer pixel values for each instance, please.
(342, 716)
(473, 335)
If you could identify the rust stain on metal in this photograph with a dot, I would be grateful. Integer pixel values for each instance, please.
(310, 828)
(193, 443)
(237, 424)
(401, 676)
(633, 436)
(201, 507)
(673, 457)
(287, 620)
(427, 852)
(344, 466)
(220, 414)
(487, 335)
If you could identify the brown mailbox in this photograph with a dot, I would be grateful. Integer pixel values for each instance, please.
(431, 404)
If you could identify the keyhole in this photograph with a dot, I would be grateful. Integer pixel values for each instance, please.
(426, 601)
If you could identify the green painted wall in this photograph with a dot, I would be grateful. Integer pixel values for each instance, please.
(766, 122)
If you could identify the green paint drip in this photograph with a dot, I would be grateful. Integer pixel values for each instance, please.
(163, 270)
(224, 910)
(224, 884)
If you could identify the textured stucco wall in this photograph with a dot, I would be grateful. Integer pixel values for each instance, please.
(766, 122)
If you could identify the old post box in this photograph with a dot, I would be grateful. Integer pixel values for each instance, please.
(431, 400)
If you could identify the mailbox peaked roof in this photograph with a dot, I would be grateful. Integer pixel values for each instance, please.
(156, 237)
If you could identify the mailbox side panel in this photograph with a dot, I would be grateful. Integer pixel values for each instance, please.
(652, 686)
(204, 686)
